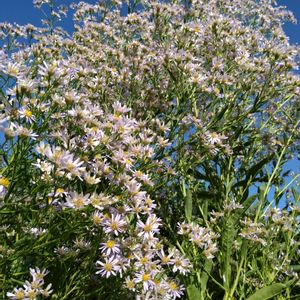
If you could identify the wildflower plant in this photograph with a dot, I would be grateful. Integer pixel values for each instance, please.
(143, 155)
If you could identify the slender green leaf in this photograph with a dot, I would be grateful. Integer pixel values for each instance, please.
(188, 205)
(268, 292)
(205, 276)
(295, 268)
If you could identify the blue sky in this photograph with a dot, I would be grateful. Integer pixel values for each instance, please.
(23, 12)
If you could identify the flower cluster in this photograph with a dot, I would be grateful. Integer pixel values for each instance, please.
(32, 289)
(202, 237)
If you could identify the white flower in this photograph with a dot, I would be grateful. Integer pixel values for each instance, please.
(27, 114)
(72, 165)
(18, 294)
(77, 201)
(37, 274)
(148, 229)
(214, 138)
(47, 291)
(109, 267)
(110, 247)
(146, 278)
(25, 132)
(115, 224)
(175, 290)
(180, 264)
(129, 283)
(165, 259)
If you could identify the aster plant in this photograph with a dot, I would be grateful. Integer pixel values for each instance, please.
(144, 155)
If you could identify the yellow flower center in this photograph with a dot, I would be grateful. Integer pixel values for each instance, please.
(145, 277)
(19, 295)
(78, 202)
(31, 294)
(108, 267)
(106, 170)
(173, 286)
(4, 181)
(70, 166)
(96, 219)
(130, 284)
(128, 161)
(138, 174)
(114, 225)
(110, 244)
(197, 29)
(28, 113)
(60, 190)
(36, 284)
(165, 259)
(147, 228)
(144, 260)
(148, 201)
(178, 263)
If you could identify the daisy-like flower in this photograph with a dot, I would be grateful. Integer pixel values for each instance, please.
(26, 86)
(108, 267)
(97, 218)
(133, 187)
(110, 247)
(77, 201)
(146, 278)
(148, 229)
(99, 201)
(73, 166)
(25, 132)
(92, 180)
(17, 294)
(143, 260)
(42, 148)
(60, 192)
(13, 69)
(115, 224)
(63, 250)
(184, 228)
(175, 290)
(129, 284)
(31, 293)
(165, 259)
(124, 264)
(81, 244)
(180, 264)
(34, 285)
(47, 291)
(27, 114)
(210, 250)
(214, 138)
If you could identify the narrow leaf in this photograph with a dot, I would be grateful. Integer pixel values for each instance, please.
(268, 292)
(188, 205)
(204, 277)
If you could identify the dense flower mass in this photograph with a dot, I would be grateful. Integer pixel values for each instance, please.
(143, 155)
